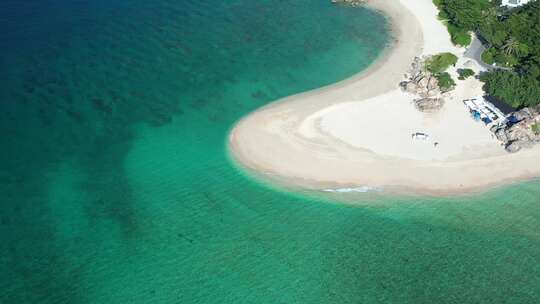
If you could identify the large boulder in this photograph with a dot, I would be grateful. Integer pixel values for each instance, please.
(425, 85)
(513, 147)
(519, 135)
(500, 133)
(423, 82)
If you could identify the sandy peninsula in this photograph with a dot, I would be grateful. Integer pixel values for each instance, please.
(356, 134)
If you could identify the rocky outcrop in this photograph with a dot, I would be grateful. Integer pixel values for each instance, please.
(350, 2)
(422, 83)
(524, 133)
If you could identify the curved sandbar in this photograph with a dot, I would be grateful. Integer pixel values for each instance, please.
(357, 133)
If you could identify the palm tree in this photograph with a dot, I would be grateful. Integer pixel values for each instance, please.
(511, 46)
(490, 15)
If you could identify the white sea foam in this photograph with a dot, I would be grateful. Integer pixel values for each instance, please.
(362, 189)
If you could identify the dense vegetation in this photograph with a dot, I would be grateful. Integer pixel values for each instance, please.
(445, 81)
(465, 73)
(437, 65)
(512, 38)
(440, 62)
(516, 90)
(462, 16)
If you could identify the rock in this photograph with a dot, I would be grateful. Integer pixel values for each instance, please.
(523, 114)
(501, 135)
(520, 135)
(513, 147)
(420, 82)
(424, 82)
(436, 92)
(433, 83)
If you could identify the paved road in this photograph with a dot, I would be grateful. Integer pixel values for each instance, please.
(474, 52)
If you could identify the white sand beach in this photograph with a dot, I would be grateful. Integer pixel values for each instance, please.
(357, 133)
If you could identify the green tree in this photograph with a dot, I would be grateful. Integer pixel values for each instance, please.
(516, 90)
(459, 36)
(512, 38)
(445, 81)
(466, 14)
(465, 73)
(463, 16)
(487, 56)
(440, 62)
(494, 32)
(511, 46)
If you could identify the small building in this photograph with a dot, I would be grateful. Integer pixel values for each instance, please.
(514, 3)
(488, 109)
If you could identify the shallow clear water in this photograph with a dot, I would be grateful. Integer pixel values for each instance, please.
(117, 188)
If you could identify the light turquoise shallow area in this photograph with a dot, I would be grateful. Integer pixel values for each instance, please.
(117, 187)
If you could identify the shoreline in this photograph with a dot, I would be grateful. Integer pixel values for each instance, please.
(305, 141)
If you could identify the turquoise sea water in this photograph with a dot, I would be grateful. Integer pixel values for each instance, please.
(116, 186)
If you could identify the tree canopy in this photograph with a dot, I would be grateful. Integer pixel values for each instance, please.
(512, 37)
(445, 81)
(463, 16)
(517, 90)
(465, 73)
(440, 62)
